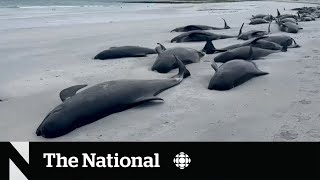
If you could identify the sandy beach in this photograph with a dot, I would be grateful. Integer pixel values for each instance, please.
(46, 50)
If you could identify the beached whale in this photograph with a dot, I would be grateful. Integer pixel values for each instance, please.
(283, 40)
(281, 16)
(257, 42)
(199, 27)
(124, 51)
(101, 100)
(292, 20)
(166, 62)
(258, 21)
(306, 17)
(288, 27)
(253, 33)
(267, 17)
(233, 73)
(199, 35)
(259, 16)
(244, 53)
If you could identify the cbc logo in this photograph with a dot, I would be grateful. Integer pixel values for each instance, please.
(182, 160)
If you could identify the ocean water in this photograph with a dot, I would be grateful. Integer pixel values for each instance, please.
(17, 14)
(75, 3)
(54, 3)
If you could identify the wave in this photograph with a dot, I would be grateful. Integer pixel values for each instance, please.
(50, 7)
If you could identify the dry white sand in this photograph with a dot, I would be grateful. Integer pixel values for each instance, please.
(38, 62)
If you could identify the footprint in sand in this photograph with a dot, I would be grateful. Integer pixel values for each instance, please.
(309, 67)
(277, 116)
(302, 118)
(314, 91)
(286, 132)
(306, 80)
(287, 135)
(304, 101)
(315, 133)
(315, 58)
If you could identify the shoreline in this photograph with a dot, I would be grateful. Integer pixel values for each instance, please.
(162, 2)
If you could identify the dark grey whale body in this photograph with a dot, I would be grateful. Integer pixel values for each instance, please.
(281, 16)
(266, 17)
(124, 51)
(259, 16)
(199, 27)
(283, 40)
(252, 33)
(165, 61)
(257, 42)
(288, 27)
(199, 35)
(233, 73)
(244, 53)
(258, 21)
(101, 100)
(292, 20)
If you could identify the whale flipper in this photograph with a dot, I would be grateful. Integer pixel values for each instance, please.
(258, 72)
(70, 91)
(146, 99)
(214, 66)
(140, 55)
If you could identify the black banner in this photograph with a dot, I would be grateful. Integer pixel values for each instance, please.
(166, 160)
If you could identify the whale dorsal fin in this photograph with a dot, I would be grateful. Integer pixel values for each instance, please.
(240, 31)
(225, 24)
(70, 91)
(159, 49)
(209, 47)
